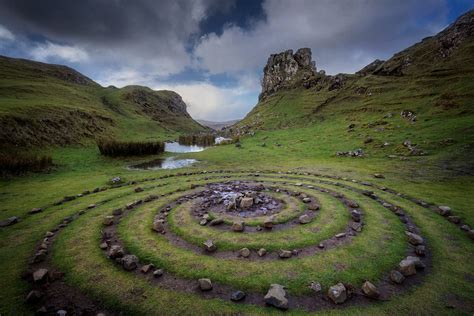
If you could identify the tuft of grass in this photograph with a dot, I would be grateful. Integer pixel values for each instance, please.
(200, 139)
(16, 164)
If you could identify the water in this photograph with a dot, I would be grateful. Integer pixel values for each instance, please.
(160, 163)
(175, 147)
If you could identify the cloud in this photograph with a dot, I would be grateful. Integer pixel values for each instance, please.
(50, 51)
(5, 34)
(344, 35)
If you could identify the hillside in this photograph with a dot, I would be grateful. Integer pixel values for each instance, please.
(434, 80)
(43, 104)
(217, 125)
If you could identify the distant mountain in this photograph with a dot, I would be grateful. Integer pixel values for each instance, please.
(217, 125)
(43, 104)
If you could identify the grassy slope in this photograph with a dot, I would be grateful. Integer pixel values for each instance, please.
(38, 100)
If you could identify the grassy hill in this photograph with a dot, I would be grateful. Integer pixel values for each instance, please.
(433, 79)
(43, 104)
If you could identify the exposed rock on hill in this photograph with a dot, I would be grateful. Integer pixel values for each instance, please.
(287, 70)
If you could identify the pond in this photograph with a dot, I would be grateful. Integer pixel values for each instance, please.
(163, 163)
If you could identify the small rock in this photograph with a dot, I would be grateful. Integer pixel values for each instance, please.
(470, 234)
(103, 245)
(238, 226)
(159, 225)
(356, 226)
(352, 204)
(49, 234)
(108, 220)
(444, 210)
(370, 290)
(304, 219)
(420, 250)
(209, 246)
(157, 273)
(117, 212)
(396, 277)
(203, 222)
(205, 284)
(337, 293)
(138, 189)
(147, 267)
(340, 235)
(40, 275)
(237, 296)
(355, 214)
(313, 206)
(277, 297)
(465, 227)
(417, 261)
(244, 252)
(246, 202)
(91, 206)
(61, 312)
(129, 262)
(35, 210)
(116, 252)
(306, 200)
(315, 286)
(321, 245)
(414, 239)
(9, 221)
(268, 223)
(407, 267)
(40, 256)
(284, 254)
(379, 176)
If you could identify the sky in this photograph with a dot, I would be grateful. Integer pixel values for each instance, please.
(212, 52)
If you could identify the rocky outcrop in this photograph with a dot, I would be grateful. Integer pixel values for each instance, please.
(286, 70)
(370, 68)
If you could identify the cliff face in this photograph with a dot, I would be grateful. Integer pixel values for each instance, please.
(287, 70)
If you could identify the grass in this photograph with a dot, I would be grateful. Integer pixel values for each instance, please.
(114, 148)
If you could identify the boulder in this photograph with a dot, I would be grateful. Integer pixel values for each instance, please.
(370, 290)
(414, 239)
(40, 275)
(238, 226)
(277, 297)
(209, 246)
(116, 251)
(237, 296)
(244, 252)
(337, 293)
(205, 284)
(246, 202)
(284, 254)
(129, 262)
(304, 219)
(396, 277)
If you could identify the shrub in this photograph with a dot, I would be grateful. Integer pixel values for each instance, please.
(115, 148)
(18, 163)
(201, 139)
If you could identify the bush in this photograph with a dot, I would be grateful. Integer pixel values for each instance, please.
(201, 140)
(14, 164)
(115, 148)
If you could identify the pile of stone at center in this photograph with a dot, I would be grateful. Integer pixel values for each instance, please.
(240, 199)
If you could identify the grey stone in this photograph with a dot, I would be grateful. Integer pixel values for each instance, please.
(244, 252)
(246, 202)
(337, 293)
(238, 226)
(304, 219)
(9, 221)
(444, 210)
(205, 284)
(108, 220)
(40, 275)
(315, 286)
(414, 239)
(157, 273)
(370, 290)
(129, 262)
(277, 297)
(407, 267)
(284, 254)
(237, 296)
(396, 277)
(116, 251)
(159, 225)
(209, 246)
(147, 267)
(262, 252)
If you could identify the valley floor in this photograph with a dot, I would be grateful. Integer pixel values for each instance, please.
(448, 288)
